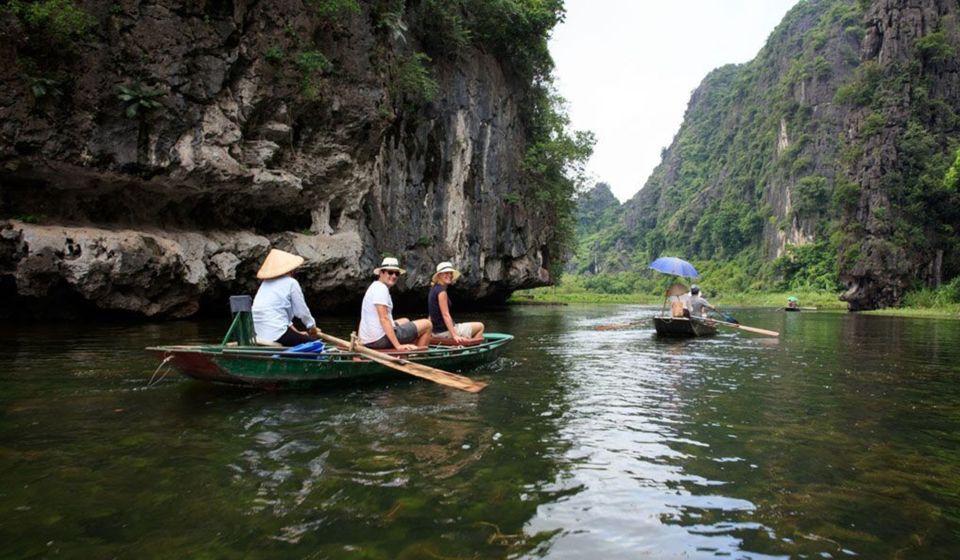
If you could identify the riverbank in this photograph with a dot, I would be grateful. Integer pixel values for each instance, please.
(950, 312)
(561, 294)
(822, 301)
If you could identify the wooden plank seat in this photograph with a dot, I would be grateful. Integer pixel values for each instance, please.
(447, 341)
(391, 351)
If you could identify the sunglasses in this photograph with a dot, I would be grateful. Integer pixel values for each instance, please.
(392, 272)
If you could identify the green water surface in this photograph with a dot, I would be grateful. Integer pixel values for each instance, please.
(840, 439)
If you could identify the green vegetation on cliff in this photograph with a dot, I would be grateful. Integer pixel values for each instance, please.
(820, 165)
(52, 24)
(516, 32)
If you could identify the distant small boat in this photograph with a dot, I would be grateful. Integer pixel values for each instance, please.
(683, 327)
(797, 309)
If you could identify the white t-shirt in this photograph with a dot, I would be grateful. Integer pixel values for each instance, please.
(370, 328)
(278, 301)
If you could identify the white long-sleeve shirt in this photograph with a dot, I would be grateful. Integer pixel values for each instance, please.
(277, 302)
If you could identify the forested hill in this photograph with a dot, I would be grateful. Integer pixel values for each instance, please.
(830, 161)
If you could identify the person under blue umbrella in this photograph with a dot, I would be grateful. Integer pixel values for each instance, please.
(695, 303)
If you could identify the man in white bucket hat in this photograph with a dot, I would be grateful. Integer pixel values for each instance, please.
(439, 304)
(279, 300)
(378, 329)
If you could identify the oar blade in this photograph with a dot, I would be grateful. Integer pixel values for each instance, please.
(611, 327)
(617, 326)
(445, 377)
(759, 331)
(746, 328)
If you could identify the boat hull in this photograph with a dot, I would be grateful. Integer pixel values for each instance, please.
(683, 327)
(272, 368)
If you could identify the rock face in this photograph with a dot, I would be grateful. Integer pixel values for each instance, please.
(900, 226)
(166, 210)
(754, 137)
(838, 136)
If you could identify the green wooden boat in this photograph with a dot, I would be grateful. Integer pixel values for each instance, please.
(238, 360)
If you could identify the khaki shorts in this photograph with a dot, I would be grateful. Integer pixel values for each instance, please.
(463, 330)
(406, 333)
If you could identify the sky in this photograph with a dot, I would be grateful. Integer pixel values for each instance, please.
(627, 69)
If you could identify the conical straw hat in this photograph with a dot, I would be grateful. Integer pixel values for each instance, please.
(676, 290)
(277, 264)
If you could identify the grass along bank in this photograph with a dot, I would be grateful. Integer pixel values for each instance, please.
(942, 302)
(577, 294)
(952, 312)
(823, 301)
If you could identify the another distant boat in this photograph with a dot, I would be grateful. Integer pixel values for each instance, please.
(793, 304)
(683, 327)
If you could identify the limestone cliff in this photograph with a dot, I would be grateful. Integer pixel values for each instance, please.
(824, 162)
(900, 215)
(148, 164)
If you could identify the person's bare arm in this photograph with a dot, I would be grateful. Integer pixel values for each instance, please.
(444, 303)
(383, 314)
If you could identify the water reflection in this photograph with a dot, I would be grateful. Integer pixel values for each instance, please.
(327, 470)
(629, 421)
(838, 439)
(720, 446)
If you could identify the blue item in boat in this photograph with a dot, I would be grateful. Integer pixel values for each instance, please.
(314, 347)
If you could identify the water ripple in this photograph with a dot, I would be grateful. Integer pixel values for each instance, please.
(839, 438)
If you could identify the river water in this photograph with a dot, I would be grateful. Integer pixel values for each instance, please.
(840, 439)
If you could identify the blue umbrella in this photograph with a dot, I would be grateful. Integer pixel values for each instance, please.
(673, 265)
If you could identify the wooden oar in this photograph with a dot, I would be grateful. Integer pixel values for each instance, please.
(406, 366)
(616, 326)
(743, 327)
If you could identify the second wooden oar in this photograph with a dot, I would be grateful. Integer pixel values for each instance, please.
(411, 368)
(743, 327)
